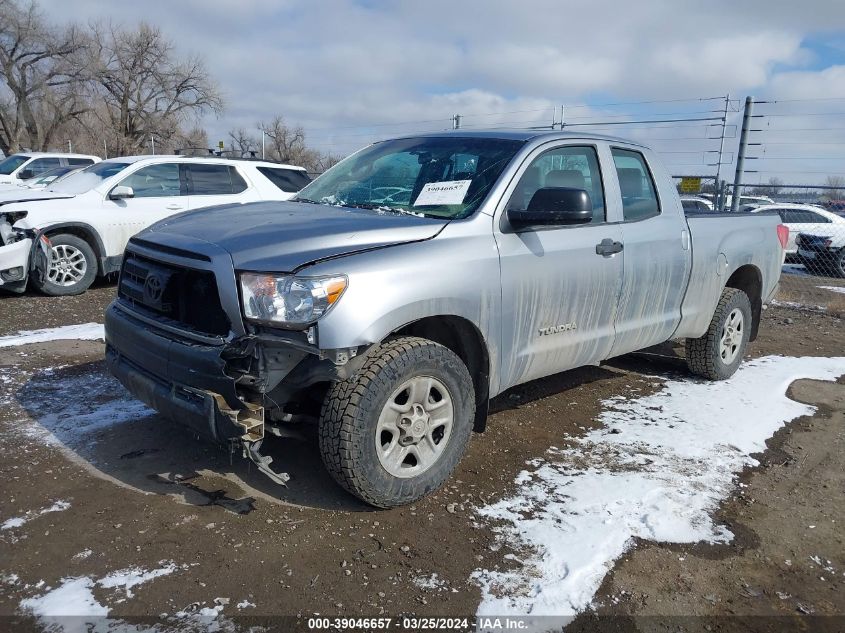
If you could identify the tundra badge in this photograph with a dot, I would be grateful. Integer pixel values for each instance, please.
(557, 329)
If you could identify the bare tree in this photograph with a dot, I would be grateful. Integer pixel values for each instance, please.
(42, 77)
(242, 143)
(327, 161)
(287, 144)
(773, 188)
(147, 90)
(838, 184)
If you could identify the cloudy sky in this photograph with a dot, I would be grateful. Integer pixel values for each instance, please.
(350, 72)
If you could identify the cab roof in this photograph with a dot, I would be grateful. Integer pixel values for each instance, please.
(524, 135)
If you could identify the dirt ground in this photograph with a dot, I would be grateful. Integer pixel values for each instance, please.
(145, 493)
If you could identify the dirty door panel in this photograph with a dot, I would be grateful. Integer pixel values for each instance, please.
(657, 256)
(558, 294)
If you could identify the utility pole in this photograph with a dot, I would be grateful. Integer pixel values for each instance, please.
(263, 134)
(740, 157)
(721, 149)
(105, 150)
(562, 116)
(456, 122)
(153, 141)
(69, 146)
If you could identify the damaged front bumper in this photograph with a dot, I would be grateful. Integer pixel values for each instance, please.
(184, 380)
(22, 259)
(214, 386)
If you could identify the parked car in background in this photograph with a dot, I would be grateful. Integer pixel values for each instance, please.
(63, 237)
(36, 183)
(696, 204)
(747, 201)
(804, 218)
(823, 253)
(390, 325)
(26, 165)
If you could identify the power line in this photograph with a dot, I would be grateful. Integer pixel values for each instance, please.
(566, 125)
(799, 114)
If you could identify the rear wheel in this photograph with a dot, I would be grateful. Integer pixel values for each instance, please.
(718, 354)
(73, 267)
(395, 431)
(839, 263)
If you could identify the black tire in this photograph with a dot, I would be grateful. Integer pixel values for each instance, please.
(351, 410)
(704, 356)
(839, 263)
(53, 289)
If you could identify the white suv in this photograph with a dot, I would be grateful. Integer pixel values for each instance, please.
(26, 165)
(62, 238)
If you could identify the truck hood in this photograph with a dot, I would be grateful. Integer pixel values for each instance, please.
(284, 236)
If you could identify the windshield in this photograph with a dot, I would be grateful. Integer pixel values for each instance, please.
(438, 177)
(12, 163)
(88, 178)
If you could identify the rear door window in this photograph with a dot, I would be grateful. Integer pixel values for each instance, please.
(816, 218)
(213, 180)
(40, 165)
(79, 161)
(288, 180)
(639, 195)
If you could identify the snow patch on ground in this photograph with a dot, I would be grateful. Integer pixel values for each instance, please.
(74, 598)
(796, 306)
(129, 578)
(59, 506)
(84, 332)
(71, 408)
(657, 470)
(433, 582)
(839, 289)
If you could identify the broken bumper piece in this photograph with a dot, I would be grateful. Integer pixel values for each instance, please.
(185, 382)
(14, 263)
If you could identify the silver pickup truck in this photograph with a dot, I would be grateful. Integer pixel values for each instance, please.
(417, 279)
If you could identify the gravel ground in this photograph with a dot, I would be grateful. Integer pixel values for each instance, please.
(227, 544)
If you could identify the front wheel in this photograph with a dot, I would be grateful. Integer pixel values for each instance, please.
(395, 431)
(73, 267)
(718, 354)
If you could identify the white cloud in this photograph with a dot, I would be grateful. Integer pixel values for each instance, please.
(344, 63)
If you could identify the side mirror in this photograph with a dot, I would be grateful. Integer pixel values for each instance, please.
(120, 192)
(25, 174)
(554, 206)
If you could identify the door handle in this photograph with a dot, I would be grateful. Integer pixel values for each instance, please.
(607, 247)
(174, 207)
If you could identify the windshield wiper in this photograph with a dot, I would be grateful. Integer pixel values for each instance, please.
(382, 207)
(306, 200)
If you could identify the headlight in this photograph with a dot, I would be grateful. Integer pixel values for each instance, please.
(287, 299)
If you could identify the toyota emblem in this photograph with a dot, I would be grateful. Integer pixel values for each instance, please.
(153, 288)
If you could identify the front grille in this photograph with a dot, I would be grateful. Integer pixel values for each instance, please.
(184, 297)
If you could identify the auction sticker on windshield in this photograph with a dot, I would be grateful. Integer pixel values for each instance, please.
(447, 192)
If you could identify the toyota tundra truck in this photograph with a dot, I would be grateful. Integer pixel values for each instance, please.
(417, 279)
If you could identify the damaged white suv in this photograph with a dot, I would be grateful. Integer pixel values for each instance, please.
(61, 239)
